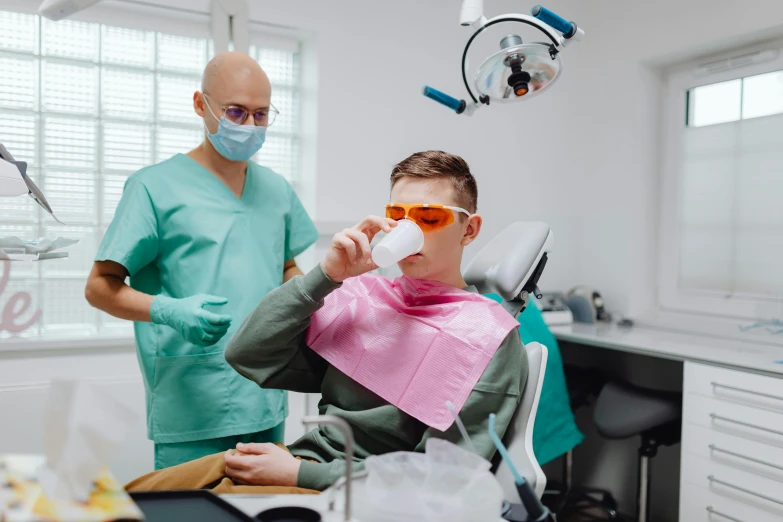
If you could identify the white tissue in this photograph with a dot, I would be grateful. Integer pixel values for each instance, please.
(445, 484)
(83, 427)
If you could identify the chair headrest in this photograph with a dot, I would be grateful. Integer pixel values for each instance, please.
(512, 261)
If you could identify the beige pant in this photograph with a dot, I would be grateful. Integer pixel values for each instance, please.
(206, 473)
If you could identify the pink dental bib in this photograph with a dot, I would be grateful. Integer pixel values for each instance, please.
(414, 343)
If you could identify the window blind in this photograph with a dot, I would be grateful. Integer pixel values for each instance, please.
(86, 105)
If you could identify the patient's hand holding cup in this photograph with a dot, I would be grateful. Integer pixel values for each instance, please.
(406, 239)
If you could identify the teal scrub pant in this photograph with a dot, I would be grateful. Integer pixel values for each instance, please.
(167, 455)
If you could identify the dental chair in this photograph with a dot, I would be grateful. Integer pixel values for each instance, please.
(510, 266)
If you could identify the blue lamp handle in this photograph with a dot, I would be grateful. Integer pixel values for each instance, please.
(452, 103)
(553, 20)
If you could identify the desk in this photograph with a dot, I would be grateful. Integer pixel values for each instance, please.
(743, 355)
(732, 430)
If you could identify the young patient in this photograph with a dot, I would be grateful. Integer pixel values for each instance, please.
(275, 349)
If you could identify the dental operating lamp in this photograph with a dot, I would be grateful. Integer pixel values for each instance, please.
(519, 70)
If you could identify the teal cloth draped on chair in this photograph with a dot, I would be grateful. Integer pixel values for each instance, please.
(555, 431)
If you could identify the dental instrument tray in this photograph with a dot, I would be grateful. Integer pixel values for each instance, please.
(194, 506)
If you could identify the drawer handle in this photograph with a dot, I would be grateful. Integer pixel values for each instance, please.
(767, 395)
(713, 447)
(762, 428)
(719, 514)
(749, 492)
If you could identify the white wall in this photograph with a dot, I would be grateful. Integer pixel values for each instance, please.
(583, 157)
(613, 93)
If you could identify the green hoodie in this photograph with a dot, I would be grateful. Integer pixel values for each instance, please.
(270, 349)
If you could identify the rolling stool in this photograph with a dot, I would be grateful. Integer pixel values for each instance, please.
(623, 410)
(584, 386)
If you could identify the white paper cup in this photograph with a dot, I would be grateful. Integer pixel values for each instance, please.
(404, 240)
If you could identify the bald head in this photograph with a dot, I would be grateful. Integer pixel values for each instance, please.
(234, 78)
(227, 70)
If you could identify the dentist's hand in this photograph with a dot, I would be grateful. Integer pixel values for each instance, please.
(350, 254)
(188, 317)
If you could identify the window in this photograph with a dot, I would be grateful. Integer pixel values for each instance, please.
(722, 223)
(86, 105)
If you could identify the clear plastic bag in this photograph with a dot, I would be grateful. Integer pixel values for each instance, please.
(445, 484)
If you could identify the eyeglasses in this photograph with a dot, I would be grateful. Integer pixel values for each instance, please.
(428, 217)
(238, 114)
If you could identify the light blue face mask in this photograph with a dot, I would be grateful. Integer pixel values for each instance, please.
(235, 142)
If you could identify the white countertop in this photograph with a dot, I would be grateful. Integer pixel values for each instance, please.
(667, 344)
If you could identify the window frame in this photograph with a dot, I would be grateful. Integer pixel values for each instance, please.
(673, 300)
(97, 332)
(289, 44)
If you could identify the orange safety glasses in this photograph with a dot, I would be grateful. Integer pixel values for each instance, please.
(428, 217)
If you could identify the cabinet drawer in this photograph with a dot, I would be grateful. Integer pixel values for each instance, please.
(742, 387)
(700, 505)
(735, 419)
(725, 482)
(738, 453)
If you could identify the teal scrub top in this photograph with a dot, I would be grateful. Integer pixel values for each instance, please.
(180, 231)
(555, 431)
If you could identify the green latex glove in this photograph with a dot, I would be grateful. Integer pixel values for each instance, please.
(188, 317)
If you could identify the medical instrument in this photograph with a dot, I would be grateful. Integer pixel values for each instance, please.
(531, 509)
(406, 239)
(461, 426)
(554, 309)
(14, 181)
(587, 305)
(512, 272)
(519, 70)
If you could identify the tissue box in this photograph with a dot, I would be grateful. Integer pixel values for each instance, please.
(22, 499)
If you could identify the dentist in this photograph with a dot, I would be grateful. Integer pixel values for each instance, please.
(203, 237)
